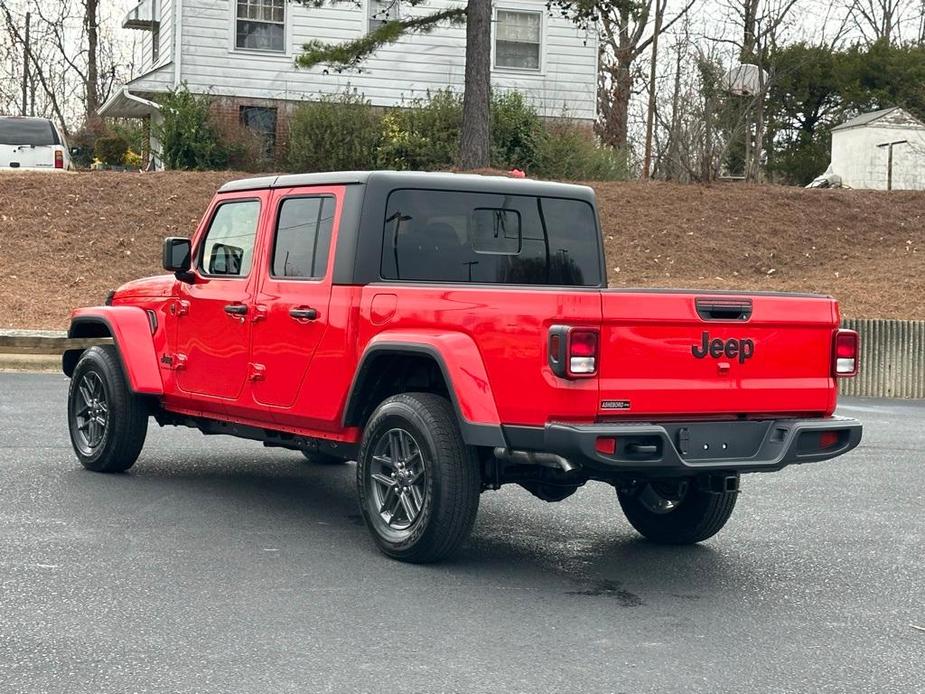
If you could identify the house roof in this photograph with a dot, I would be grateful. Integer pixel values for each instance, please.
(868, 118)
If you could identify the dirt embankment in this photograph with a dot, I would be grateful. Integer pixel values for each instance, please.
(66, 240)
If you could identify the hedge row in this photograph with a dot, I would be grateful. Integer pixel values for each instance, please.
(345, 132)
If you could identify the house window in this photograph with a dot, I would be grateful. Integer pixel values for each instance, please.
(381, 11)
(517, 40)
(261, 25)
(262, 121)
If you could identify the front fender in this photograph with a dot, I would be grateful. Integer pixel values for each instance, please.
(459, 359)
(130, 330)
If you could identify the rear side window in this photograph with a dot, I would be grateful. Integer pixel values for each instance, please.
(27, 131)
(445, 236)
(228, 250)
(303, 238)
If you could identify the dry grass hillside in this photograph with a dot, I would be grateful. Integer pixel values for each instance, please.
(66, 240)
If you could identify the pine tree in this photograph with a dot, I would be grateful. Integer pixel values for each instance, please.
(476, 14)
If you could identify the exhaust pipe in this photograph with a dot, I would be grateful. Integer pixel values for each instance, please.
(534, 458)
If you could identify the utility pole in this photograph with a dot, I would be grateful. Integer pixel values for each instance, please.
(25, 68)
(650, 117)
(889, 160)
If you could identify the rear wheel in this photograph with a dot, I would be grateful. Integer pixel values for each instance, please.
(676, 512)
(417, 480)
(107, 421)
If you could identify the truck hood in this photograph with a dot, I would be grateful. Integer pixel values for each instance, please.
(147, 287)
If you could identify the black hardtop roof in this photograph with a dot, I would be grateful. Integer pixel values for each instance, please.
(416, 179)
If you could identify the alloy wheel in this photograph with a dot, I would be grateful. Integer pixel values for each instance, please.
(397, 481)
(91, 412)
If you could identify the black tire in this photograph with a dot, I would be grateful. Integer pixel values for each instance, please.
(696, 516)
(107, 422)
(443, 482)
(317, 458)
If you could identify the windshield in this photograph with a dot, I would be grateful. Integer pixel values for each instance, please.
(27, 131)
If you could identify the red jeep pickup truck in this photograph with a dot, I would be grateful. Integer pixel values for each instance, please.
(452, 334)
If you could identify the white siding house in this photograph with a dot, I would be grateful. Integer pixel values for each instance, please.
(864, 148)
(242, 52)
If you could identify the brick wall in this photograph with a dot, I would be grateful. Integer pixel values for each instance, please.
(226, 112)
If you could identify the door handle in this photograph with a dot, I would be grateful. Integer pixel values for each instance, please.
(236, 310)
(304, 313)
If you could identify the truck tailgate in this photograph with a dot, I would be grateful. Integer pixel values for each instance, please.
(27, 156)
(689, 353)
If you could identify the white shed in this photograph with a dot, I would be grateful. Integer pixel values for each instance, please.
(880, 150)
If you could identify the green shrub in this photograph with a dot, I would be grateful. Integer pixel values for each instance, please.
(515, 131)
(129, 129)
(111, 149)
(568, 151)
(189, 138)
(344, 132)
(337, 133)
(423, 135)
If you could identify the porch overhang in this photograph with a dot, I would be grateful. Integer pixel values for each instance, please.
(125, 104)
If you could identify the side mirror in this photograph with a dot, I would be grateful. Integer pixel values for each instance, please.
(177, 255)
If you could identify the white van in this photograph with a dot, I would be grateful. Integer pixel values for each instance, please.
(32, 144)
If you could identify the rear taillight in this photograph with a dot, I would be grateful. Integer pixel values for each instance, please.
(573, 352)
(846, 353)
(582, 352)
(59, 159)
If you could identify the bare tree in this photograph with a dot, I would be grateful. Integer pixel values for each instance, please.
(74, 30)
(74, 61)
(876, 20)
(44, 73)
(759, 24)
(626, 29)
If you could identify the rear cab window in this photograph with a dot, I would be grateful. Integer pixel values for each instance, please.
(449, 236)
(31, 132)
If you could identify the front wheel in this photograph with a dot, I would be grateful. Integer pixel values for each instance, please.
(107, 421)
(674, 512)
(417, 480)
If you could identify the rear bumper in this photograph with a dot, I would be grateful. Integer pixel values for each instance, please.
(683, 448)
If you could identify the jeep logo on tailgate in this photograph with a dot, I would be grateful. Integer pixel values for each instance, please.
(717, 347)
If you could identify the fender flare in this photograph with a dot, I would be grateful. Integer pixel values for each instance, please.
(131, 332)
(460, 362)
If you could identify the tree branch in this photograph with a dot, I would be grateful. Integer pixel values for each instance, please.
(344, 56)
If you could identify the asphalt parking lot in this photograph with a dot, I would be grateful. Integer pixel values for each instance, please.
(217, 565)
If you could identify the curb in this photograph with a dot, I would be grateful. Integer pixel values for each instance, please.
(39, 350)
(45, 363)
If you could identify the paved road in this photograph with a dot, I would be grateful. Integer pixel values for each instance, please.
(220, 566)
